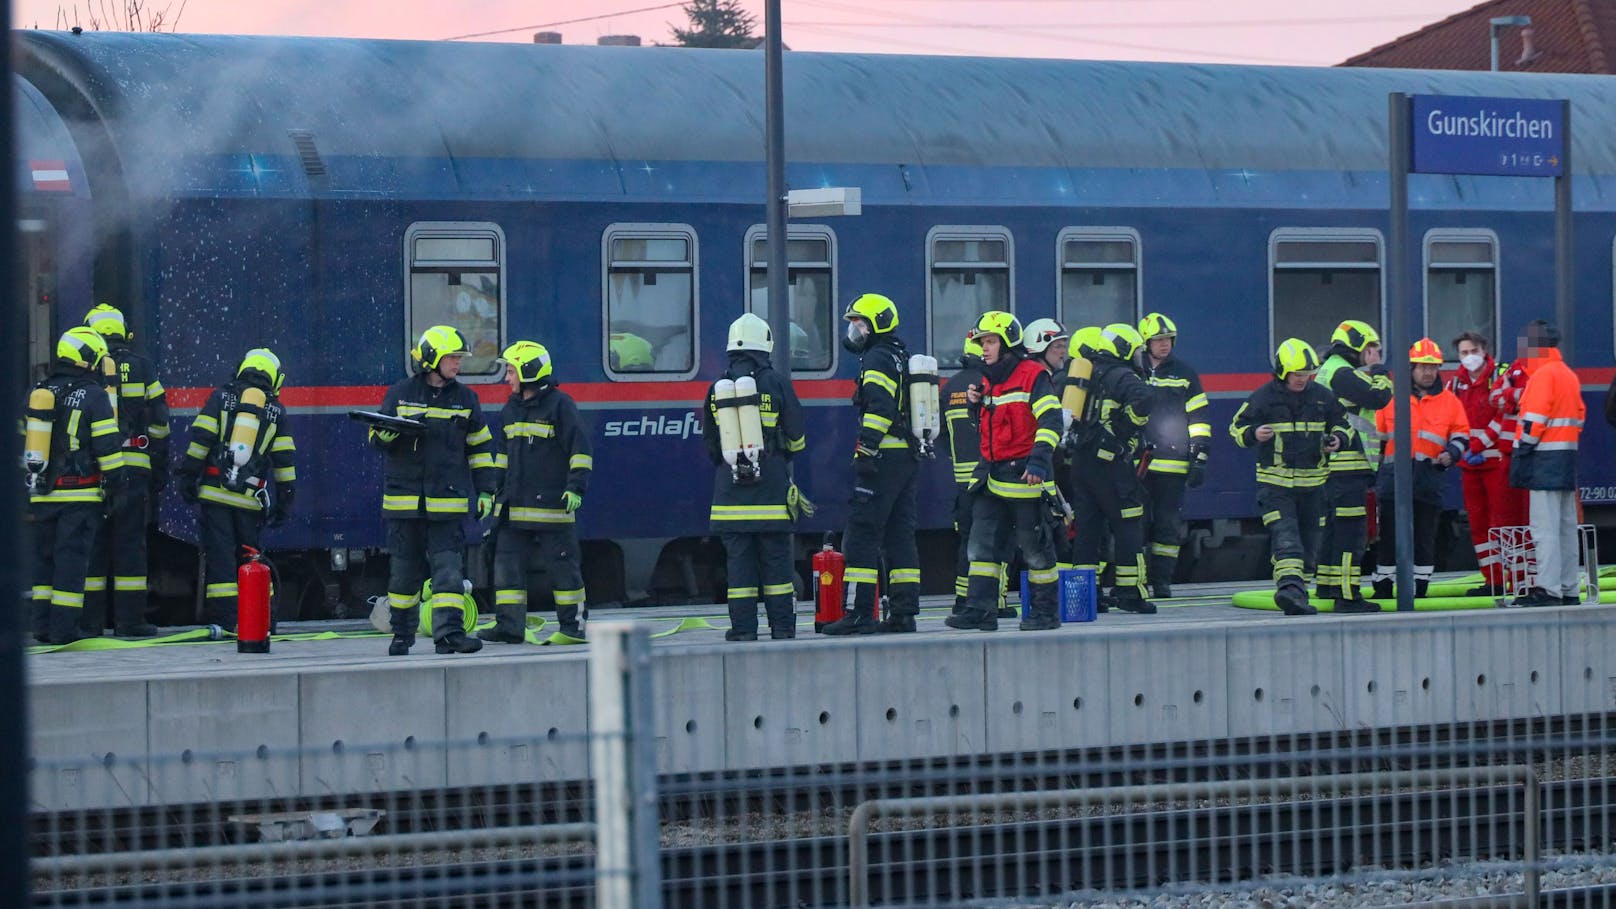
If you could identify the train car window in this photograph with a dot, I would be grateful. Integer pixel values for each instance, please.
(1099, 276)
(1320, 277)
(650, 298)
(457, 277)
(1461, 287)
(970, 274)
(811, 283)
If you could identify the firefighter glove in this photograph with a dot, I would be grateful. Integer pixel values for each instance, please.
(1474, 460)
(572, 500)
(1037, 470)
(485, 505)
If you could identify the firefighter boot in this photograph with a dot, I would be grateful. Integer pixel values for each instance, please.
(64, 625)
(401, 645)
(858, 620)
(895, 623)
(129, 621)
(1292, 600)
(1132, 602)
(458, 642)
(496, 636)
(1421, 587)
(1328, 592)
(1354, 606)
(1383, 589)
(974, 620)
(1041, 617)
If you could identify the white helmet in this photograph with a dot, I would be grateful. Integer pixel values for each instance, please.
(750, 332)
(1043, 332)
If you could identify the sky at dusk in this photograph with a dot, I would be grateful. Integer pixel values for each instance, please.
(1310, 32)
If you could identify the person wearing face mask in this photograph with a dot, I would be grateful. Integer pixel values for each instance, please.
(882, 521)
(1489, 501)
(1439, 435)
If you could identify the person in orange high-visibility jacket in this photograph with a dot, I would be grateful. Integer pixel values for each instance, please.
(1440, 433)
(1545, 464)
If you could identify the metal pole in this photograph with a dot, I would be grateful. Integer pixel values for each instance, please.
(1563, 252)
(779, 301)
(628, 871)
(14, 886)
(1398, 321)
(1493, 30)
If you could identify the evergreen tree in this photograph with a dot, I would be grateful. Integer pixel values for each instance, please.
(716, 23)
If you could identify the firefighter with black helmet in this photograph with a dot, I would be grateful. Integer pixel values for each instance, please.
(1020, 424)
(1104, 441)
(546, 465)
(753, 426)
(1179, 441)
(1294, 424)
(142, 411)
(73, 458)
(239, 468)
(885, 465)
(1352, 371)
(430, 481)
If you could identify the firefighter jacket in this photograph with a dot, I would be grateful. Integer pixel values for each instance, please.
(1551, 418)
(1475, 394)
(208, 460)
(1438, 425)
(882, 395)
(1362, 392)
(1020, 425)
(434, 474)
(142, 411)
(1119, 405)
(765, 505)
(1177, 417)
(959, 420)
(546, 453)
(1302, 421)
(85, 447)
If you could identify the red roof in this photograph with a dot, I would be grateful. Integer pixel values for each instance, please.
(1566, 36)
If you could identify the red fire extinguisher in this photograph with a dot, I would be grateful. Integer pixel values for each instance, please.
(252, 603)
(828, 566)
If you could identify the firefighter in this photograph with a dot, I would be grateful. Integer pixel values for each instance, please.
(428, 482)
(1048, 343)
(1545, 464)
(882, 521)
(238, 467)
(1439, 434)
(120, 552)
(1019, 420)
(72, 453)
(546, 465)
(1294, 423)
(1353, 372)
(1103, 441)
(1178, 440)
(965, 450)
(1488, 498)
(753, 426)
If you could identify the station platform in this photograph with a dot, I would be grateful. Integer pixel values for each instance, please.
(185, 723)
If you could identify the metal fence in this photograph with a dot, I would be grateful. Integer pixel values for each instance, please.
(1510, 806)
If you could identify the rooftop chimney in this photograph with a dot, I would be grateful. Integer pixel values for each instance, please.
(618, 40)
(546, 37)
(1529, 51)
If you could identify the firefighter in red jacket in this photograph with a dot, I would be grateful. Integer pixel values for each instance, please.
(1545, 463)
(1489, 501)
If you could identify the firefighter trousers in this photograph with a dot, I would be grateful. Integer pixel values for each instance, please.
(1107, 493)
(1165, 493)
(1346, 524)
(1425, 527)
(1292, 517)
(225, 529)
(62, 538)
(422, 550)
(962, 556)
(519, 548)
(993, 522)
(1491, 502)
(759, 568)
(884, 525)
(118, 570)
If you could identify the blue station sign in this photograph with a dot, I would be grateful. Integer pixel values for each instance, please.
(1506, 137)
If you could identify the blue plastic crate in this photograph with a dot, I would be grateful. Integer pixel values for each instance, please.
(1077, 591)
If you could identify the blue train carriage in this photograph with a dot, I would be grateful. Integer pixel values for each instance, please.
(331, 198)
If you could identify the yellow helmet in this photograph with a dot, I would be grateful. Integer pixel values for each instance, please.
(81, 346)
(973, 347)
(1087, 341)
(1003, 324)
(262, 360)
(107, 320)
(1425, 350)
(531, 360)
(1295, 355)
(438, 342)
(1121, 339)
(1155, 325)
(629, 351)
(1043, 332)
(1355, 335)
(880, 312)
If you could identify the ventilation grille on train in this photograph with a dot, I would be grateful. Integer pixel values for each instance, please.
(313, 164)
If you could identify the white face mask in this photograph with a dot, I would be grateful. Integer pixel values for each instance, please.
(1472, 362)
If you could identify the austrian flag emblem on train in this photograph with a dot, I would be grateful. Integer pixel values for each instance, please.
(50, 176)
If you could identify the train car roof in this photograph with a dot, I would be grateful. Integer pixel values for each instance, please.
(165, 97)
(47, 160)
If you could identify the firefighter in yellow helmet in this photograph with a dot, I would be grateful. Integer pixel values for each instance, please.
(428, 484)
(547, 464)
(885, 465)
(119, 562)
(1180, 441)
(1294, 424)
(239, 468)
(1353, 372)
(965, 450)
(72, 455)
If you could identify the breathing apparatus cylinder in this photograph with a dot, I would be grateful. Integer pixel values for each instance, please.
(925, 411)
(244, 431)
(110, 381)
(1075, 396)
(749, 420)
(252, 604)
(729, 424)
(37, 439)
